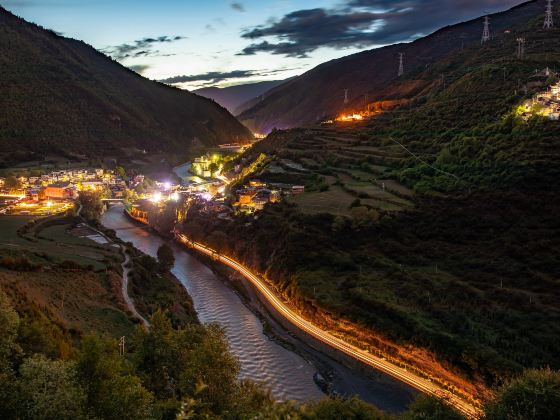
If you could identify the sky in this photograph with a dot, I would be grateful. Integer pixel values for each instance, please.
(201, 43)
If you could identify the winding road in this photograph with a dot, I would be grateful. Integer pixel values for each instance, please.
(422, 384)
(126, 268)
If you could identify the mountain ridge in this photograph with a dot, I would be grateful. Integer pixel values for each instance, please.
(61, 95)
(234, 97)
(305, 100)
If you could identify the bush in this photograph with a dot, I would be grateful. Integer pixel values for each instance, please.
(535, 395)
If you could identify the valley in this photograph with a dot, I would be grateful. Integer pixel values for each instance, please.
(189, 231)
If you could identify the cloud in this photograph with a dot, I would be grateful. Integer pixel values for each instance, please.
(361, 23)
(218, 76)
(212, 77)
(238, 7)
(140, 48)
(139, 68)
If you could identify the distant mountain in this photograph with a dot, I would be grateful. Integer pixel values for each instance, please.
(59, 95)
(319, 93)
(233, 97)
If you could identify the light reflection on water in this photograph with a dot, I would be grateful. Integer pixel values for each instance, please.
(288, 375)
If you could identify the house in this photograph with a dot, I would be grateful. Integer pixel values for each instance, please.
(257, 183)
(61, 191)
(35, 194)
(298, 189)
(245, 197)
(275, 196)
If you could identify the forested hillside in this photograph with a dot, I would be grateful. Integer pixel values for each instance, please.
(430, 226)
(61, 96)
(319, 93)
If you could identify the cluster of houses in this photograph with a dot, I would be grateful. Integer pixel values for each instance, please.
(547, 103)
(64, 184)
(254, 196)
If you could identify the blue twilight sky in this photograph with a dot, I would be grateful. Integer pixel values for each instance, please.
(223, 42)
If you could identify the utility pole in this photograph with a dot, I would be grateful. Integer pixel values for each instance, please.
(486, 31)
(520, 48)
(121, 346)
(345, 96)
(548, 22)
(401, 64)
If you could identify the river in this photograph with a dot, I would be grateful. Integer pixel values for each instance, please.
(288, 374)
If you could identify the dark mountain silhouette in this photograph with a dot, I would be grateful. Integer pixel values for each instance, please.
(371, 75)
(233, 97)
(59, 95)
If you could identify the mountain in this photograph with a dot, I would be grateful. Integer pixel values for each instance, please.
(60, 95)
(431, 228)
(319, 93)
(233, 97)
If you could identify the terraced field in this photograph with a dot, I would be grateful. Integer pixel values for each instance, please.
(69, 276)
(56, 239)
(341, 169)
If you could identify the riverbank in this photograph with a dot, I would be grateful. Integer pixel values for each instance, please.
(336, 373)
(288, 375)
(330, 340)
(333, 374)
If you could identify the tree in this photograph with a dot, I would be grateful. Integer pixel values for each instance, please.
(120, 171)
(362, 217)
(12, 183)
(166, 257)
(9, 324)
(190, 362)
(92, 206)
(425, 407)
(51, 390)
(338, 408)
(535, 395)
(123, 397)
(112, 391)
(213, 168)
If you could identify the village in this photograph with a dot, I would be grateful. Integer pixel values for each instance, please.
(544, 104)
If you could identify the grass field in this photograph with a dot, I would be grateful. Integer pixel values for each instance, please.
(77, 300)
(54, 241)
(72, 283)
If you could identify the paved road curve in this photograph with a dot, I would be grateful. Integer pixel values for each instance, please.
(397, 372)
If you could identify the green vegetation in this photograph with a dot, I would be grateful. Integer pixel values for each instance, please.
(535, 395)
(459, 255)
(153, 287)
(92, 106)
(187, 372)
(166, 258)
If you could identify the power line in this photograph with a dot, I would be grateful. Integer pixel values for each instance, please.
(423, 161)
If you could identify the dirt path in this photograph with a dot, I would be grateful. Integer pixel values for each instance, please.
(126, 269)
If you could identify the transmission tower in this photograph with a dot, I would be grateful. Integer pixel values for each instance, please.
(486, 31)
(345, 96)
(121, 345)
(521, 48)
(548, 22)
(401, 64)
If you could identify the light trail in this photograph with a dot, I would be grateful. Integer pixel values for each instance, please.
(417, 382)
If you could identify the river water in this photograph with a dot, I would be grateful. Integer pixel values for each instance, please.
(287, 374)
